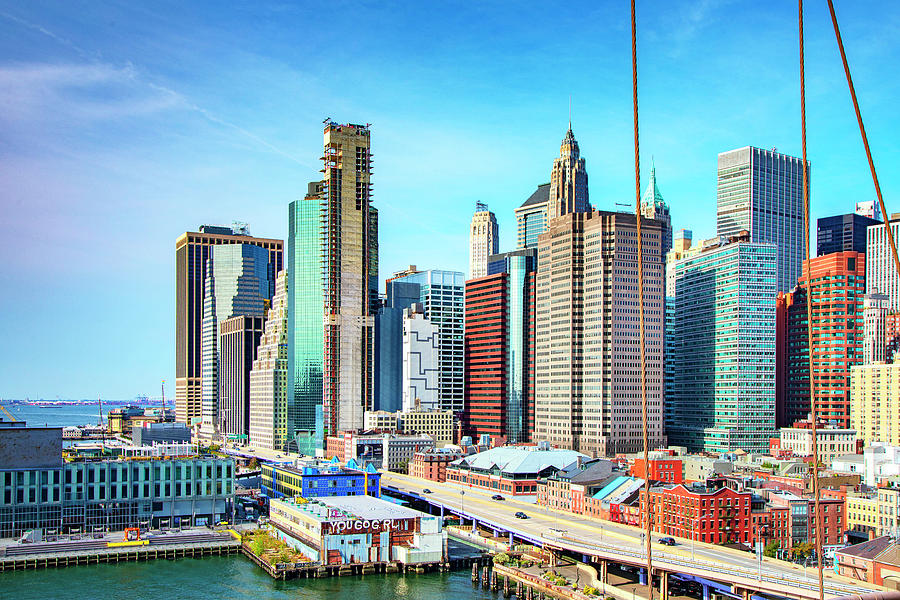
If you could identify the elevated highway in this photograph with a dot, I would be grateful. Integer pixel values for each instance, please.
(738, 573)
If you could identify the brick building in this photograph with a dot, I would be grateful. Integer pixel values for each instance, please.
(716, 516)
(499, 349)
(838, 288)
(432, 465)
(665, 469)
(568, 488)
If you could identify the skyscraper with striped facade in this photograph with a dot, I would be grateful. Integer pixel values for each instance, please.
(724, 348)
(761, 191)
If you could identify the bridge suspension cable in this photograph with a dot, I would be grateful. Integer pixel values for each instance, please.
(640, 277)
(817, 519)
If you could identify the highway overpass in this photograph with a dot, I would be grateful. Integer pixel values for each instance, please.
(734, 572)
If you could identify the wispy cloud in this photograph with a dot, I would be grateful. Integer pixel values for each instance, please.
(79, 92)
(96, 90)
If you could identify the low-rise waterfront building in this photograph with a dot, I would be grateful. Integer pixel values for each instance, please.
(384, 451)
(152, 486)
(716, 515)
(876, 561)
(158, 433)
(514, 470)
(432, 465)
(359, 529)
(316, 479)
(568, 488)
(121, 420)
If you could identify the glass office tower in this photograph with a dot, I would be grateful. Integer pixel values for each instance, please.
(305, 331)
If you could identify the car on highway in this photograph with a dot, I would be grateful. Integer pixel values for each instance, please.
(667, 541)
(497, 497)
(521, 515)
(426, 491)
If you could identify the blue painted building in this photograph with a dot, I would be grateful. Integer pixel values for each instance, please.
(318, 479)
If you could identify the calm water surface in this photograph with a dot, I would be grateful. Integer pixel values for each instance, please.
(214, 578)
(222, 578)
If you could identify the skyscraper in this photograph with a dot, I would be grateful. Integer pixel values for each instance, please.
(875, 314)
(531, 217)
(239, 282)
(881, 272)
(681, 247)
(420, 360)
(654, 207)
(837, 287)
(389, 342)
(842, 233)
(484, 239)
(238, 338)
(268, 377)
(441, 294)
(587, 359)
(305, 314)
(761, 191)
(724, 349)
(350, 285)
(568, 181)
(191, 253)
(499, 350)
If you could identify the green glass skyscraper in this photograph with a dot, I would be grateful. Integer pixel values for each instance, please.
(305, 331)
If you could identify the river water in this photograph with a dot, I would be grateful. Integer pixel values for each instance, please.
(226, 577)
(216, 578)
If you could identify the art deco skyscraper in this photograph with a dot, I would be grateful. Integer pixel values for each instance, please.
(654, 207)
(568, 180)
(761, 191)
(192, 249)
(587, 358)
(350, 284)
(484, 239)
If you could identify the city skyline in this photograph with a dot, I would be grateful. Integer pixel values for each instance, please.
(118, 127)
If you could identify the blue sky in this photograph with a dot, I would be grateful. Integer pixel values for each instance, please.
(122, 126)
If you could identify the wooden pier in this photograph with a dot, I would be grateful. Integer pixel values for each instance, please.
(318, 570)
(117, 555)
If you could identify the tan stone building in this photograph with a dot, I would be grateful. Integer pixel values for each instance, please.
(484, 240)
(587, 364)
(831, 442)
(875, 402)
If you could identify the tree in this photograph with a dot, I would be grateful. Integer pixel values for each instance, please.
(254, 464)
(771, 549)
(802, 550)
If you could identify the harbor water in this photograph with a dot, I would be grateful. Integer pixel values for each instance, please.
(226, 578)
(222, 578)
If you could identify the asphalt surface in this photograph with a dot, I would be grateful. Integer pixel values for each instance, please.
(585, 534)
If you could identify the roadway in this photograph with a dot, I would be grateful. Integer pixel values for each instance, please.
(604, 540)
(623, 543)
